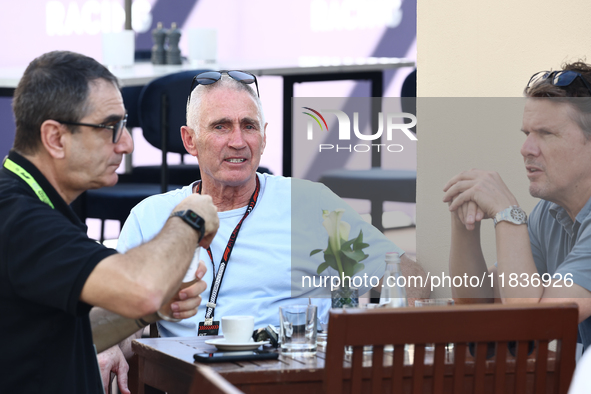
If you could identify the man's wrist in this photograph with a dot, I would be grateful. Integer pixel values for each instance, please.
(513, 214)
(192, 219)
(147, 320)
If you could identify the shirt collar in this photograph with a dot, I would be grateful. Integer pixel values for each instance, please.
(562, 217)
(54, 196)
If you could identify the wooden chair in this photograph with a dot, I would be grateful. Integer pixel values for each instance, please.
(460, 324)
(206, 380)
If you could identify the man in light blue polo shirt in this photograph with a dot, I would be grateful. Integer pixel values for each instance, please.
(268, 224)
(548, 256)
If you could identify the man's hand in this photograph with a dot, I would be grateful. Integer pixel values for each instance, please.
(112, 360)
(477, 195)
(469, 214)
(185, 303)
(203, 206)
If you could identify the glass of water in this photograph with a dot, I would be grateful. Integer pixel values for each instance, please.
(298, 329)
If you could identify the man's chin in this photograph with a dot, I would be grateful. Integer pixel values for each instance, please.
(238, 178)
(536, 191)
(109, 181)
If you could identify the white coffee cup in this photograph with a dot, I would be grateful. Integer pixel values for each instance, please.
(238, 329)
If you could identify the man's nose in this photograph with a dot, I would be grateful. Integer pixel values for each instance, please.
(530, 146)
(125, 143)
(236, 138)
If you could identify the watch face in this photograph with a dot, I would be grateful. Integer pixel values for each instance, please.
(192, 215)
(518, 215)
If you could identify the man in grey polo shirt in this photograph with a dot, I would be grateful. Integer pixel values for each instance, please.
(553, 248)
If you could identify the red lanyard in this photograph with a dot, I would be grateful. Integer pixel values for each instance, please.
(215, 286)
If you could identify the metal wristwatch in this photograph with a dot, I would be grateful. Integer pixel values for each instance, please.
(193, 220)
(514, 214)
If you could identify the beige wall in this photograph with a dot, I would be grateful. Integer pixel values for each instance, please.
(485, 49)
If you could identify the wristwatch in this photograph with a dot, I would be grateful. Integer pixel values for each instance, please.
(514, 214)
(192, 219)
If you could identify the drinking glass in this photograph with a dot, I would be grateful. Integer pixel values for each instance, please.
(298, 329)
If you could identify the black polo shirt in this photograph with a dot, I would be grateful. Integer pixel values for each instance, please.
(45, 259)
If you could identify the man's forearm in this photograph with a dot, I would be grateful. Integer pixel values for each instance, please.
(109, 329)
(140, 281)
(409, 269)
(515, 261)
(125, 345)
(466, 257)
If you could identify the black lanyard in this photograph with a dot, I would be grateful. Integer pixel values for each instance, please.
(215, 286)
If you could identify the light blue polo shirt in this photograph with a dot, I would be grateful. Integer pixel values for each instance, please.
(560, 246)
(272, 250)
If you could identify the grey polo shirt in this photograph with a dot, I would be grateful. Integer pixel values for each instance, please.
(562, 247)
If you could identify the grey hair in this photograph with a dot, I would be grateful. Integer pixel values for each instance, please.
(225, 82)
(56, 85)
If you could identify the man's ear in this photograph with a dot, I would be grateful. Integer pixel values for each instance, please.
(52, 138)
(189, 140)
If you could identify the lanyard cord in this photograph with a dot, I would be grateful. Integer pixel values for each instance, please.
(215, 286)
(25, 176)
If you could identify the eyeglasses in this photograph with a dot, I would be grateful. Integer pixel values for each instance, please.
(117, 128)
(558, 78)
(210, 77)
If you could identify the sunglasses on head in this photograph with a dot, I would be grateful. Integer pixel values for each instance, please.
(117, 128)
(210, 77)
(558, 78)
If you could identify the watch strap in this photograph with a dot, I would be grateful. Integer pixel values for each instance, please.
(191, 218)
(514, 214)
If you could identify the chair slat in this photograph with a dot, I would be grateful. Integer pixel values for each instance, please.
(397, 369)
(377, 369)
(438, 368)
(501, 364)
(418, 368)
(356, 366)
(459, 366)
(520, 366)
(481, 352)
(565, 364)
(541, 366)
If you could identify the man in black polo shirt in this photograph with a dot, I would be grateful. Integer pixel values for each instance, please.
(70, 137)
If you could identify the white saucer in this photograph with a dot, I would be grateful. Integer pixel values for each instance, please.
(222, 344)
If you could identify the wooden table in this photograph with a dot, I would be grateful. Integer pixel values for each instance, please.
(166, 364)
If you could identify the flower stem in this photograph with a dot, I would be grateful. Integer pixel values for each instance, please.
(337, 256)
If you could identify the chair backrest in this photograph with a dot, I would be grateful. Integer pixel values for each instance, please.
(162, 108)
(468, 327)
(131, 99)
(162, 112)
(408, 96)
(206, 380)
(409, 86)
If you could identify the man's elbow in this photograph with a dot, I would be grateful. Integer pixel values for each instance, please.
(145, 300)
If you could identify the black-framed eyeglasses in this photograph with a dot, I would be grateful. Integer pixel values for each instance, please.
(117, 128)
(558, 78)
(210, 77)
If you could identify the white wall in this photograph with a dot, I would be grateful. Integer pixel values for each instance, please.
(485, 49)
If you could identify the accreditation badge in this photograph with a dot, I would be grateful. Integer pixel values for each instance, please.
(210, 329)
